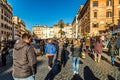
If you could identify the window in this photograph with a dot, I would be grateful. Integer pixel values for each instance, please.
(109, 14)
(2, 25)
(1, 10)
(109, 3)
(95, 14)
(2, 32)
(95, 25)
(1, 16)
(95, 3)
(119, 14)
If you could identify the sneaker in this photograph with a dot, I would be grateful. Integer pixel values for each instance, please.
(74, 72)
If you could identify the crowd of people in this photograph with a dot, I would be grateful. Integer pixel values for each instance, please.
(26, 50)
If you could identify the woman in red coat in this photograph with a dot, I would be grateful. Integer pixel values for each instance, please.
(98, 49)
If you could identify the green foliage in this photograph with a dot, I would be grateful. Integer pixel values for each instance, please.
(61, 25)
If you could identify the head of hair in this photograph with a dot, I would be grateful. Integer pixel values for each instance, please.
(26, 35)
(98, 39)
(112, 39)
(76, 42)
(50, 40)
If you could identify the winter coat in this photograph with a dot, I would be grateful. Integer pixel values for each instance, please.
(98, 47)
(118, 42)
(112, 48)
(24, 60)
(50, 49)
(60, 52)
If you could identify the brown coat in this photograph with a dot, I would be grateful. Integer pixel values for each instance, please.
(24, 60)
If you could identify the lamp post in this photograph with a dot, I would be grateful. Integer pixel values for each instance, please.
(46, 31)
(76, 25)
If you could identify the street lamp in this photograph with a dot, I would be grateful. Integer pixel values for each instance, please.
(76, 25)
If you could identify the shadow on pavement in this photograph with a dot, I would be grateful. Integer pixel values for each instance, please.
(106, 52)
(88, 74)
(117, 65)
(105, 59)
(56, 69)
(110, 78)
(81, 62)
(39, 63)
(91, 55)
(76, 77)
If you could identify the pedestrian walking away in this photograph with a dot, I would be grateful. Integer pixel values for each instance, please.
(50, 51)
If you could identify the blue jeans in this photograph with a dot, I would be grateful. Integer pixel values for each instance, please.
(28, 78)
(112, 59)
(75, 62)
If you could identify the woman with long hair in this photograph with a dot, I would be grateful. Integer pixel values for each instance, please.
(97, 49)
(76, 56)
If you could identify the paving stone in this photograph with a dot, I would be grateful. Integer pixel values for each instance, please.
(88, 68)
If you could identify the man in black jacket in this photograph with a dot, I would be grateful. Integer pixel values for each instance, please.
(24, 59)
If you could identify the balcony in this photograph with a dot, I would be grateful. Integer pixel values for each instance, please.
(3, 5)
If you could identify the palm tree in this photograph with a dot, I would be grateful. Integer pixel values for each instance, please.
(61, 25)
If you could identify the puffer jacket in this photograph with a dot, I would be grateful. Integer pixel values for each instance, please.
(50, 49)
(24, 60)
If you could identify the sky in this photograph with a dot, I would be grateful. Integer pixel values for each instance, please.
(45, 12)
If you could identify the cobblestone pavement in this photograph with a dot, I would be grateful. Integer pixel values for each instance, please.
(89, 70)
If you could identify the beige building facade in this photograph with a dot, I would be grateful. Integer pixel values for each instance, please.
(43, 32)
(5, 20)
(19, 27)
(67, 29)
(97, 15)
